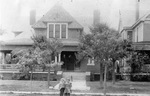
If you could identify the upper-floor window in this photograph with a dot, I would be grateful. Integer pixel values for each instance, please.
(57, 30)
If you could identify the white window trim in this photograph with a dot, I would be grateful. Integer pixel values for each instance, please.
(91, 61)
(142, 32)
(60, 30)
(47, 30)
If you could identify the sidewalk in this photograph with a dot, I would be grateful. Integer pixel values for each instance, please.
(121, 88)
(74, 93)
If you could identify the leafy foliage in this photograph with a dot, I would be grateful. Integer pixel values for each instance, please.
(47, 49)
(40, 54)
(137, 60)
(102, 43)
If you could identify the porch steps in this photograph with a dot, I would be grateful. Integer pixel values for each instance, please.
(78, 80)
(75, 76)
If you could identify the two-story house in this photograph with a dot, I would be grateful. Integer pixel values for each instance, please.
(138, 33)
(58, 23)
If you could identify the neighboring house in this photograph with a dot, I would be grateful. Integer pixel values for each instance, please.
(6, 47)
(138, 33)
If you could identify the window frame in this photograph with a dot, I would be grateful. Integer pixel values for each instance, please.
(91, 61)
(60, 30)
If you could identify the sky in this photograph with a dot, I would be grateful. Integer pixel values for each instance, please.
(14, 14)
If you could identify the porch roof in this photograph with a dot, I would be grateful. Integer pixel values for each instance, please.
(69, 42)
(142, 45)
(27, 42)
(22, 41)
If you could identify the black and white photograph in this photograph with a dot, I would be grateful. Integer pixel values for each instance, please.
(74, 47)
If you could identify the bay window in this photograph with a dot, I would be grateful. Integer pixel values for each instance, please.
(63, 31)
(51, 30)
(57, 30)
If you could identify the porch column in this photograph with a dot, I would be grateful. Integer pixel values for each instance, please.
(92, 61)
(59, 60)
(89, 61)
(59, 57)
(55, 59)
(2, 57)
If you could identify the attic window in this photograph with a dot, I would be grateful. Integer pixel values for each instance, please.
(57, 30)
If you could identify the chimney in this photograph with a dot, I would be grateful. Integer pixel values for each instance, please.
(32, 17)
(96, 17)
(137, 10)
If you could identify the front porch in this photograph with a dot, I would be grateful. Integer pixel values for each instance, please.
(67, 56)
(69, 61)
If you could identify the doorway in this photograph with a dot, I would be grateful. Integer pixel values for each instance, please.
(69, 60)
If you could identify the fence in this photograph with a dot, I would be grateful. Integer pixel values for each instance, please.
(9, 67)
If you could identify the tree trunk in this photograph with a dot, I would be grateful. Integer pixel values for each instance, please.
(48, 77)
(113, 73)
(31, 78)
(101, 75)
(31, 75)
(105, 77)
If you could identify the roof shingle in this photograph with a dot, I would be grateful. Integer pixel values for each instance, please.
(57, 15)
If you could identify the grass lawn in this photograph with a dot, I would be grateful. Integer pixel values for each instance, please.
(122, 87)
(24, 85)
(41, 86)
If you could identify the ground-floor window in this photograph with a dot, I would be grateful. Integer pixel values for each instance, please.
(91, 61)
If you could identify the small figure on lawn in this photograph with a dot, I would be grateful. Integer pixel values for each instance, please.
(62, 86)
(68, 86)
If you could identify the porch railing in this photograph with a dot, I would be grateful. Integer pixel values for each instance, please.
(9, 67)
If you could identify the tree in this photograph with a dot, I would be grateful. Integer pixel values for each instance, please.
(41, 53)
(49, 48)
(27, 59)
(101, 44)
(120, 51)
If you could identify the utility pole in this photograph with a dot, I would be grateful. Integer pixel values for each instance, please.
(105, 77)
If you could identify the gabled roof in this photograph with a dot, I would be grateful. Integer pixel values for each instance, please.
(57, 15)
(144, 18)
(126, 28)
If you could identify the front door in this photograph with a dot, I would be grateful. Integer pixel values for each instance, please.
(69, 60)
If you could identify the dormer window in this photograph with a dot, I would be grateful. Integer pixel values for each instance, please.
(57, 30)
